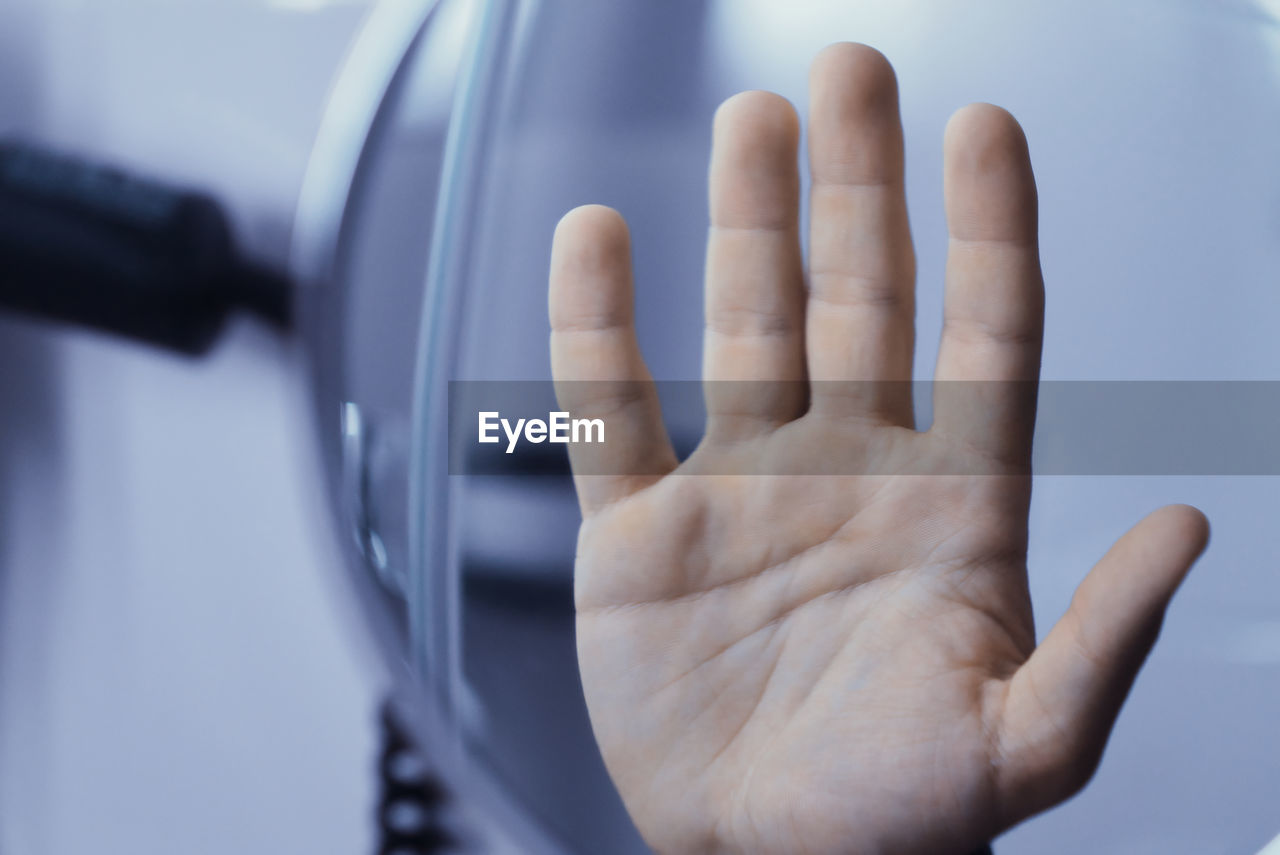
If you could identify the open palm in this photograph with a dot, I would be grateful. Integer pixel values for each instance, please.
(814, 635)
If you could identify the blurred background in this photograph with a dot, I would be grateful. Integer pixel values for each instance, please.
(175, 673)
(181, 664)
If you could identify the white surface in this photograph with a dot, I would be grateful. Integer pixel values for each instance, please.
(175, 674)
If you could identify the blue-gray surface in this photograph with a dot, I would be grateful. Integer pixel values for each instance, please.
(1152, 128)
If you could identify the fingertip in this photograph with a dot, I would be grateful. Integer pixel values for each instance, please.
(1150, 562)
(754, 181)
(844, 51)
(591, 224)
(590, 239)
(844, 60)
(590, 269)
(983, 142)
(1188, 525)
(764, 120)
(985, 133)
(989, 185)
(855, 129)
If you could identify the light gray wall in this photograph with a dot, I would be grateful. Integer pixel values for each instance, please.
(175, 672)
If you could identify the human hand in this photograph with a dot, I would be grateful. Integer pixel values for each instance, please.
(838, 663)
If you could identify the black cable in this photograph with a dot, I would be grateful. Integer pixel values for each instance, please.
(412, 800)
(90, 245)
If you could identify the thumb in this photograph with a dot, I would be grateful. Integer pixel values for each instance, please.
(1060, 705)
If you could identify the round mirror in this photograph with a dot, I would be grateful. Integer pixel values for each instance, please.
(480, 124)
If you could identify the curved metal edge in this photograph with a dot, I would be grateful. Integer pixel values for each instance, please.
(362, 86)
(492, 822)
(507, 826)
(359, 94)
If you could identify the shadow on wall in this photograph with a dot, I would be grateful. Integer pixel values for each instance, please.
(31, 498)
(30, 455)
(30, 446)
(30, 449)
(30, 482)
